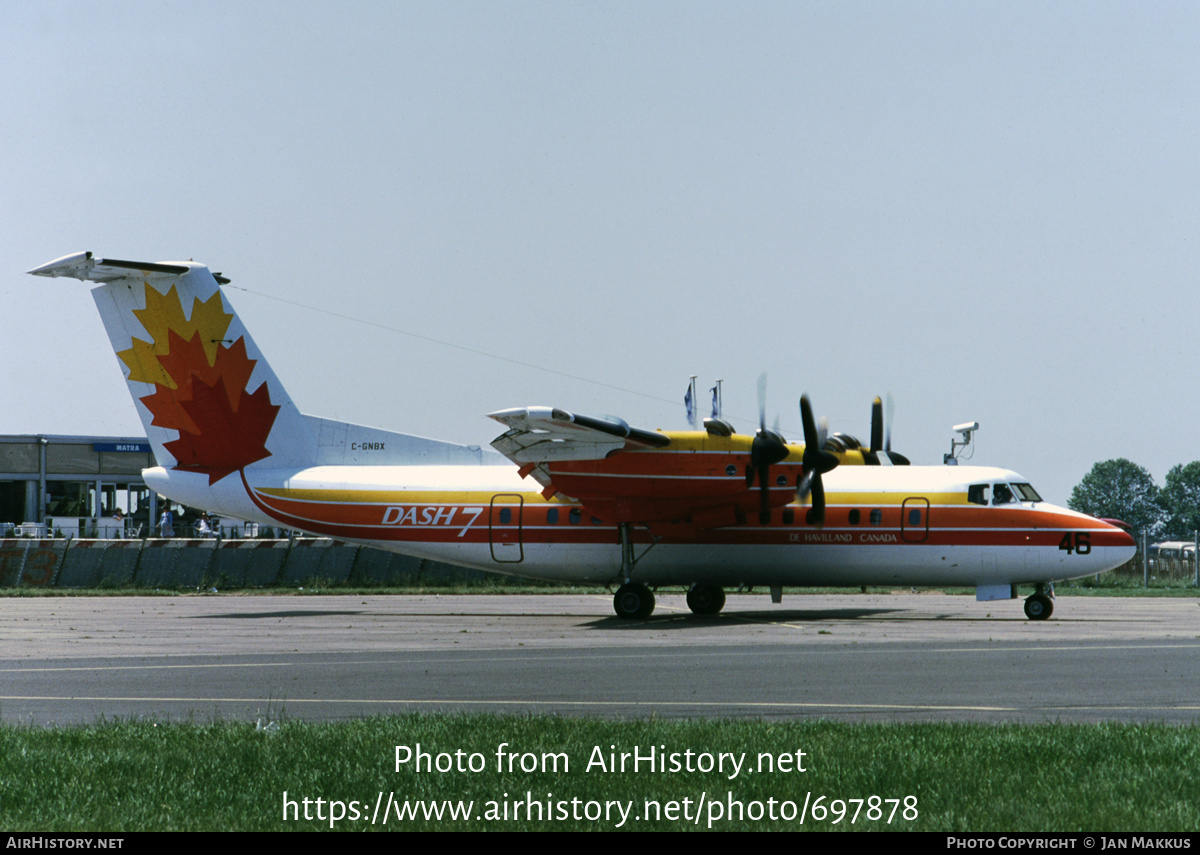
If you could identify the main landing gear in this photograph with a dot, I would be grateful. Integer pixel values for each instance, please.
(633, 601)
(1039, 606)
(705, 599)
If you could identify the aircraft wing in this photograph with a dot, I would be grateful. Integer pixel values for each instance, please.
(538, 437)
(622, 474)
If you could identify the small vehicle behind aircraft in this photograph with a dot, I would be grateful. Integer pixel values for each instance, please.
(571, 497)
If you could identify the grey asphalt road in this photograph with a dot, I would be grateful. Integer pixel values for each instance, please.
(868, 657)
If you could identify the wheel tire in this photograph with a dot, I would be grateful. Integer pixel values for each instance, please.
(1039, 607)
(633, 602)
(706, 599)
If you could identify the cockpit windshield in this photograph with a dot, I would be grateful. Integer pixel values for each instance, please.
(1001, 493)
(1027, 493)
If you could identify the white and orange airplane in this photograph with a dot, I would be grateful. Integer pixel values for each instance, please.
(570, 497)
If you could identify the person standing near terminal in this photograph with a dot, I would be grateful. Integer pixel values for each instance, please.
(166, 523)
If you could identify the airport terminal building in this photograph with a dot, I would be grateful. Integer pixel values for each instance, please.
(75, 485)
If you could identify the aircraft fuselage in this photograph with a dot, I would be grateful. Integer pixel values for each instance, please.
(884, 526)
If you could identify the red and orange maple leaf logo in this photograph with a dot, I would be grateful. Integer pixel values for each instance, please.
(200, 386)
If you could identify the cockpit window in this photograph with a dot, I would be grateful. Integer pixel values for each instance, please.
(1001, 494)
(977, 494)
(1027, 493)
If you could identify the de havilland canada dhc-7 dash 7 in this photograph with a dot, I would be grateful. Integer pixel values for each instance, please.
(570, 497)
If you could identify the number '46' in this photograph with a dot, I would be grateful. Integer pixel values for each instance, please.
(1076, 541)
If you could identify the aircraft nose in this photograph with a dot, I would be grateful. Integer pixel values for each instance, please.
(1120, 533)
(1121, 539)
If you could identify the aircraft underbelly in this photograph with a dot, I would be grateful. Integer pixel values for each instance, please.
(731, 566)
(907, 565)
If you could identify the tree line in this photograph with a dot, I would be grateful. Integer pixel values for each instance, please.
(1123, 490)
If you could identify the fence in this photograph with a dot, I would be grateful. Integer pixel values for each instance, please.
(214, 563)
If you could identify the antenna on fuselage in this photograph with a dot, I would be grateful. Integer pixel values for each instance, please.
(957, 447)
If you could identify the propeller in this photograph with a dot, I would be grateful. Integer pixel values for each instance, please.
(877, 424)
(817, 461)
(767, 449)
(881, 425)
(891, 413)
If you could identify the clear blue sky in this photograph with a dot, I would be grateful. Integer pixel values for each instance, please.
(988, 209)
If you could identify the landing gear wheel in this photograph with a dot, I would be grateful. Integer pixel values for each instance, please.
(633, 601)
(706, 599)
(1039, 607)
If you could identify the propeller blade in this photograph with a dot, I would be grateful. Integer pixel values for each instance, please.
(764, 497)
(767, 449)
(811, 438)
(895, 457)
(817, 461)
(891, 411)
(877, 425)
(818, 503)
(804, 485)
(762, 400)
(811, 483)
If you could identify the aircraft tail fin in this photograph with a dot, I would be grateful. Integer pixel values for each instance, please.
(209, 401)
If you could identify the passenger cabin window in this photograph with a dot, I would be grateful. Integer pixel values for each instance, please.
(977, 494)
(552, 516)
(854, 516)
(876, 516)
(575, 516)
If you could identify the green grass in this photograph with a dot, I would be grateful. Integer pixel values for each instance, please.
(130, 776)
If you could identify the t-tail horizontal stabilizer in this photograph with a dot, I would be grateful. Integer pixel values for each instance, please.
(207, 398)
(209, 401)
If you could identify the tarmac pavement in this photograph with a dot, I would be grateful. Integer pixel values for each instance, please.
(857, 657)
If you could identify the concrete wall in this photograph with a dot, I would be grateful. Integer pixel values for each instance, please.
(220, 564)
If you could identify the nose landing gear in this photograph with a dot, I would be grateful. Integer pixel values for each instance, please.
(1039, 606)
